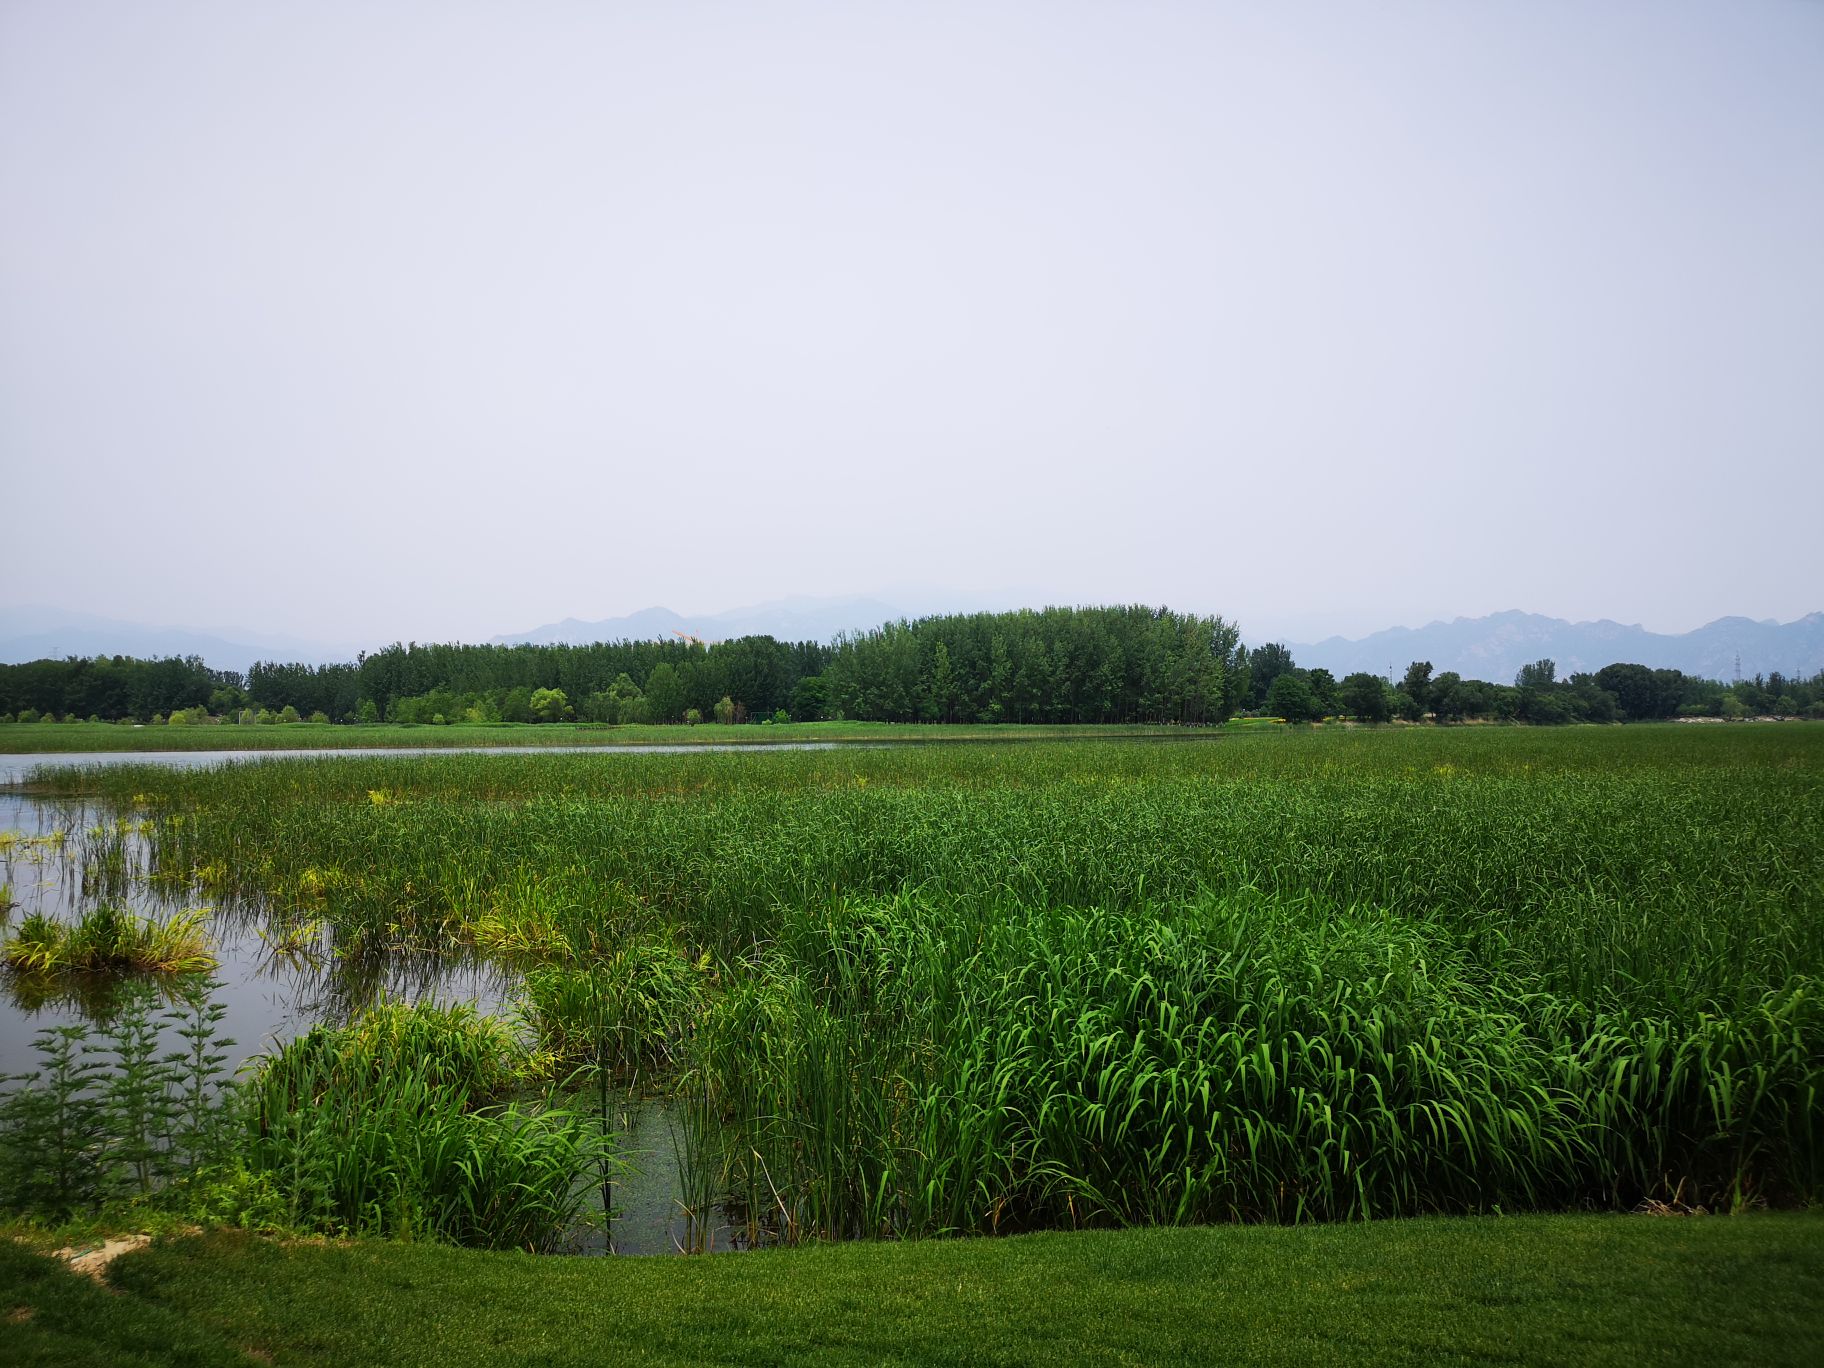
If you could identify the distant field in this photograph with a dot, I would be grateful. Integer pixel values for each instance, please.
(34, 738)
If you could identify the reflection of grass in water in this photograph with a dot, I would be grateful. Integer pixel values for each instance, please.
(110, 940)
(17, 846)
(94, 997)
(297, 939)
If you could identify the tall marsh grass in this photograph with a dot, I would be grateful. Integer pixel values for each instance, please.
(914, 1067)
(1276, 976)
(400, 1125)
(108, 939)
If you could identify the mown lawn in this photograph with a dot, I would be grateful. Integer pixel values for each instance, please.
(1629, 1290)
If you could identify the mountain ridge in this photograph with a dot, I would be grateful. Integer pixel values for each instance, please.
(1495, 646)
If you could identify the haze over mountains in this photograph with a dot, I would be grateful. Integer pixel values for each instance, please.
(1495, 647)
(794, 619)
(33, 632)
(1492, 647)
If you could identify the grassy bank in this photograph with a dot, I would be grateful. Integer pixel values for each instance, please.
(1535, 1290)
(71, 738)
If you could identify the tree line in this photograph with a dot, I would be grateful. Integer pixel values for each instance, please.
(1055, 665)
(1621, 692)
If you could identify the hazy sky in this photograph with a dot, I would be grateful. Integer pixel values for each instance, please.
(375, 320)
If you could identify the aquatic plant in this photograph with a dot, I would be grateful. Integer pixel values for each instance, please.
(627, 1013)
(109, 939)
(109, 1114)
(389, 1126)
(1271, 976)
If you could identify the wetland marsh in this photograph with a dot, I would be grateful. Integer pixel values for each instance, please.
(945, 990)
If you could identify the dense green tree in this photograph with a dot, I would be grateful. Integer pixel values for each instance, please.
(1324, 690)
(1291, 698)
(1642, 694)
(1364, 697)
(1266, 664)
(1417, 684)
(664, 693)
(1541, 674)
(1133, 664)
(1449, 702)
(549, 705)
(811, 699)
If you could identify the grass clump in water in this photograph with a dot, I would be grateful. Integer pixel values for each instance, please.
(401, 1125)
(110, 940)
(626, 1014)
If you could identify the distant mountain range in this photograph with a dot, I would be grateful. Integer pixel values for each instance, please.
(1492, 647)
(35, 633)
(1496, 646)
(793, 619)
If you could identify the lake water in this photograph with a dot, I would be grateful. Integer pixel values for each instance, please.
(271, 995)
(14, 768)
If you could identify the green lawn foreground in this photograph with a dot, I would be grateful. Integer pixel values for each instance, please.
(1632, 1290)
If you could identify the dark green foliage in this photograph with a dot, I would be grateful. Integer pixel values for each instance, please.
(1266, 664)
(107, 1115)
(1641, 694)
(112, 686)
(1416, 685)
(1365, 697)
(1132, 664)
(54, 1129)
(1293, 698)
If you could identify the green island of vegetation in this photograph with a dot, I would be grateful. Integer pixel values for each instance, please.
(1288, 1044)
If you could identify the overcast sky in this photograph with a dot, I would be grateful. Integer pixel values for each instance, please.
(376, 320)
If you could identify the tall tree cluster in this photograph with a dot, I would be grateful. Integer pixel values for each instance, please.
(116, 687)
(1056, 665)
(1124, 664)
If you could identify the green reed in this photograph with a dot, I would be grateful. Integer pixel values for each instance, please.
(1264, 977)
(917, 1068)
(108, 939)
(399, 1125)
